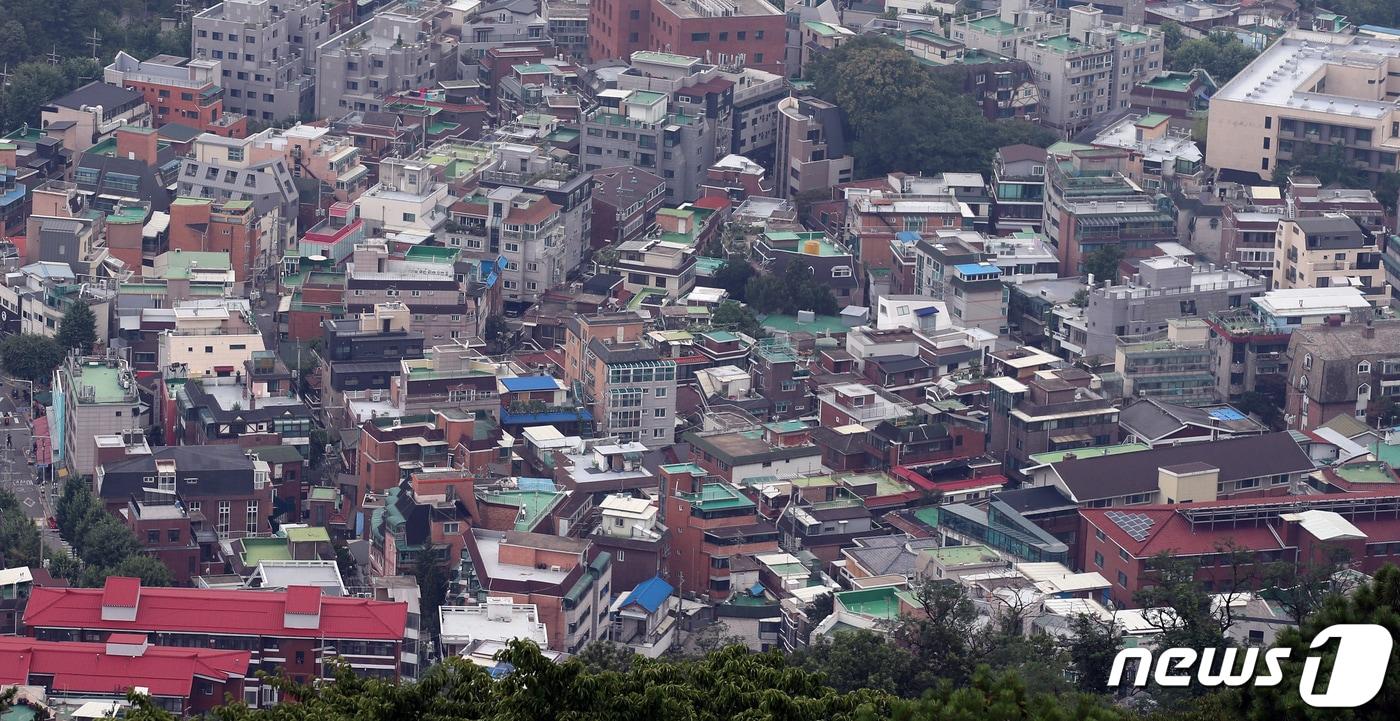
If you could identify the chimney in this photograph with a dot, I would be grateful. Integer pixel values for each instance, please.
(137, 144)
(1368, 331)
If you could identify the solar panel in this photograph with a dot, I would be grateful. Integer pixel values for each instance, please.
(1136, 525)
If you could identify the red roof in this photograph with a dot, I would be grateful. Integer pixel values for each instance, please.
(969, 484)
(712, 202)
(304, 600)
(121, 592)
(87, 668)
(200, 610)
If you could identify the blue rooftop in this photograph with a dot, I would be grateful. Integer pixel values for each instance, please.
(977, 269)
(1226, 414)
(552, 417)
(650, 594)
(525, 384)
(929, 310)
(907, 236)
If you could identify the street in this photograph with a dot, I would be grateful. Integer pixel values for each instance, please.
(17, 473)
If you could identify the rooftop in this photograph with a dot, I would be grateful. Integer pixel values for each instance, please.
(1286, 74)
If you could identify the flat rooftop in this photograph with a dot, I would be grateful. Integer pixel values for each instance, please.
(721, 8)
(1284, 74)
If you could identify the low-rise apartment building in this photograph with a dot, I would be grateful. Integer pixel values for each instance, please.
(1328, 251)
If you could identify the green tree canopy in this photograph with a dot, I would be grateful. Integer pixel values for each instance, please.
(1220, 54)
(30, 356)
(738, 318)
(78, 329)
(1103, 263)
(794, 290)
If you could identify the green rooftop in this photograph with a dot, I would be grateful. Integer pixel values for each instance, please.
(432, 254)
(786, 426)
(322, 493)
(257, 550)
(993, 24)
(533, 505)
(820, 28)
(104, 383)
(720, 336)
(179, 263)
(1037, 459)
(26, 133)
(308, 534)
(880, 603)
(645, 97)
(531, 68)
(690, 468)
(1173, 82)
(126, 215)
(1061, 43)
(1372, 472)
(788, 324)
(717, 497)
(108, 147)
(1131, 36)
(1151, 120)
(652, 56)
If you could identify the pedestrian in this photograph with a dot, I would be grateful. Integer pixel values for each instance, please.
(9, 440)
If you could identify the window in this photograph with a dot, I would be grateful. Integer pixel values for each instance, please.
(173, 535)
(452, 527)
(1363, 367)
(658, 433)
(661, 392)
(409, 217)
(658, 412)
(225, 510)
(699, 37)
(1098, 559)
(1122, 579)
(251, 517)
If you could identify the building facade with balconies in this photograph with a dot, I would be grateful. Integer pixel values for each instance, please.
(266, 50)
(179, 90)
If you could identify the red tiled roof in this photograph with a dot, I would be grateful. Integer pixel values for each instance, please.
(197, 610)
(712, 202)
(969, 484)
(87, 668)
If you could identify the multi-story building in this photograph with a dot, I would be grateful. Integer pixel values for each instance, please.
(231, 489)
(1247, 239)
(91, 114)
(537, 170)
(567, 26)
(712, 526)
(566, 579)
(392, 449)
(812, 152)
(408, 198)
(316, 152)
(654, 130)
(227, 169)
(875, 216)
(1162, 289)
(93, 396)
(422, 279)
(630, 389)
(741, 32)
(1059, 411)
(831, 263)
(625, 201)
(1091, 69)
(936, 254)
(179, 90)
(1250, 344)
(781, 449)
(1327, 252)
(251, 405)
(205, 226)
(1170, 158)
(400, 49)
(755, 117)
(656, 267)
(365, 352)
(1176, 367)
(1018, 188)
(296, 631)
(267, 50)
(1305, 94)
(1091, 201)
(1000, 32)
(529, 228)
(1343, 370)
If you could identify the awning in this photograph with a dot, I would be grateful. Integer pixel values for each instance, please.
(1072, 438)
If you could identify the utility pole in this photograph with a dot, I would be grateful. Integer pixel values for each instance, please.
(95, 42)
(183, 10)
(54, 57)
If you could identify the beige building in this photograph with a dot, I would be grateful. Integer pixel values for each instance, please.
(1328, 252)
(210, 338)
(1310, 90)
(812, 152)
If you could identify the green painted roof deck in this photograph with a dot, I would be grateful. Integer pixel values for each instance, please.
(322, 493)
(1152, 120)
(720, 336)
(432, 253)
(257, 550)
(531, 68)
(1371, 472)
(820, 28)
(1061, 43)
(653, 56)
(690, 468)
(179, 263)
(979, 57)
(786, 426)
(104, 382)
(308, 534)
(441, 127)
(646, 97)
(879, 603)
(425, 374)
(533, 505)
(1131, 36)
(788, 324)
(676, 212)
(127, 214)
(26, 133)
(963, 555)
(789, 569)
(994, 25)
(1174, 82)
(717, 497)
(1037, 459)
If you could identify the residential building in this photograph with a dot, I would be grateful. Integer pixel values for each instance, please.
(781, 449)
(235, 169)
(1070, 67)
(408, 198)
(1091, 201)
(831, 263)
(179, 90)
(625, 201)
(392, 449)
(93, 396)
(1018, 188)
(629, 529)
(1328, 251)
(294, 631)
(180, 681)
(566, 579)
(1055, 410)
(755, 115)
(875, 216)
(463, 629)
(1179, 95)
(646, 619)
(1306, 93)
(1336, 369)
(232, 490)
(1170, 158)
(1157, 423)
(738, 32)
(1000, 32)
(1303, 530)
(1001, 86)
(1250, 344)
(403, 47)
(364, 352)
(202, 227)
(317, 154)
(132, 164)
(408, 521)
(424, 279)
(1163, 288)
(629, 388)
(568, 26)
(656, 267)
(267, 51)
(92, 113)
(1177, 366)
(812, 153)
(713, 525)
(248, 405)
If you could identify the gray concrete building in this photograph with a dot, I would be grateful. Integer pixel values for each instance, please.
(268, 50)
(231, 169)
(1163, 288)
(388, 53)
(100, 398)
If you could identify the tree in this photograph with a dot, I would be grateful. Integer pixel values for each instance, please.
(1093, 644)
(1301, 588)
(147, 568)
(494, 330)
(737, 317)
(714, 636)
(432, 587)
(1002, 696)
(940, 636)
(1103, 263)
(599, 656)
(106, 544)
(733, 276)
(20, 544)
(1221, 54)
(850, 660)
(78, 329)
(30, 356)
